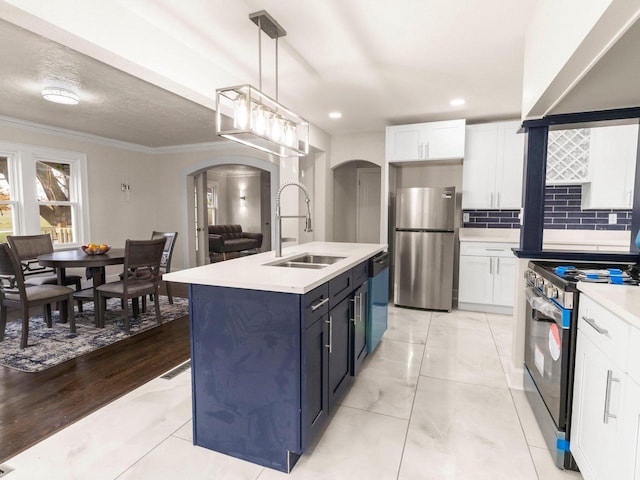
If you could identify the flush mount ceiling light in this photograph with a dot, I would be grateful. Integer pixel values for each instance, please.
(335, 115)
(457, 102)
(60, 95)
(246, 115)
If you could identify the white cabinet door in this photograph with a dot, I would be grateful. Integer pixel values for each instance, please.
(509, 169)
(504, 281)
(405, 142)
(478, 168)
(476, 285)
(612, 165)
(630, 445)
(444, 140)
(594, 443)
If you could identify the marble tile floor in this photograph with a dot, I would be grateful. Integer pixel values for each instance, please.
(432, 402)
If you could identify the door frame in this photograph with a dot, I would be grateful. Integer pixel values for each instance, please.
(187, 180)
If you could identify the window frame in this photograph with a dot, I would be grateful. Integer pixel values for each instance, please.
(22, 172)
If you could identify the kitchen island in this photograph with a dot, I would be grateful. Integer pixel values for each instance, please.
(274, 347)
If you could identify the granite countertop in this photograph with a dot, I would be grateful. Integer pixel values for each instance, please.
(251, 272)
(623, 300)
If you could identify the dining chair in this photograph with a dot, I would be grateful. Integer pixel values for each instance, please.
(167, 253)
(27, 248)
(141, 277)
(15, 293)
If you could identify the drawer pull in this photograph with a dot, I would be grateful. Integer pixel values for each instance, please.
(607, 397)
(596, 327)
(330, 345)
(319, 304)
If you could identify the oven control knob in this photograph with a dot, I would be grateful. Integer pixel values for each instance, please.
(550, 291)
(539, 282)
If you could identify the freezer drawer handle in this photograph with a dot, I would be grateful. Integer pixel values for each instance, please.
(596, 327)
(607, 397)
(319, 304)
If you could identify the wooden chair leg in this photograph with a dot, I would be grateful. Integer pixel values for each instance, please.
(168, 285)
(47, 315)
(157, 304)
(144, 303)
(127, 328)
(100, 311)
(3, 321)
(24, 339)
(78, 288)
(135, 306)
(70, 314)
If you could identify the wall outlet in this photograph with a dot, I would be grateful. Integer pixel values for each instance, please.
(613, 218)
(465, 217)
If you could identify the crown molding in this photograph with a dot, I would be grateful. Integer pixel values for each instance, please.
(87, 137)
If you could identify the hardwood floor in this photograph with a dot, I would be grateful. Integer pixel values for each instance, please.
(36, 405)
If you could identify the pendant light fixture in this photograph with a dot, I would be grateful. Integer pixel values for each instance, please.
(245, 114)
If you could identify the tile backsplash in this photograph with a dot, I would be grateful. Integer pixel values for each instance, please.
(562, 211)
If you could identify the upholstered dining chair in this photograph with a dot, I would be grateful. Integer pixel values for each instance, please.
(141, 277)
(27, 248)
(15, 293)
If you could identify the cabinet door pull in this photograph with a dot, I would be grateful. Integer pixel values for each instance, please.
(492, 199)
(497, 265)
(319, 304)
(596, 327)
(607, 397)
(330, 322)
(491, 265)
(498, 199)
(354, 300)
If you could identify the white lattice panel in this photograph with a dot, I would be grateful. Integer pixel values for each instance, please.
(568, 156)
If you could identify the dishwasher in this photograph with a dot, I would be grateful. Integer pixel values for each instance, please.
(378, 300)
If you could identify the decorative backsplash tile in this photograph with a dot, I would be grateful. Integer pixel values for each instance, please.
(562, 211)
(492, 219)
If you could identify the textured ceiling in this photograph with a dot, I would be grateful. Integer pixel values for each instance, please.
(113, 104)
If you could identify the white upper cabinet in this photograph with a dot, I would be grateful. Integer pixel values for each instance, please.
(492, 170)
(612, 167)
(425, 141)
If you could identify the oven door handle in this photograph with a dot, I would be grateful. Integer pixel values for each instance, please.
(541, 304)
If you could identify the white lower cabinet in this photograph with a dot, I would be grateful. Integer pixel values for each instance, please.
(606, 400)
(486, 277)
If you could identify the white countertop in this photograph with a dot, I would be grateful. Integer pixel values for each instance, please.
(551, 239)
(250, 272)
(623, 300)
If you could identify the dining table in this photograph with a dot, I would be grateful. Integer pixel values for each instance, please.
(95, 265)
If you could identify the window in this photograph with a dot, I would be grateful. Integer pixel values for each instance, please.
(212, 204)
(43, 191)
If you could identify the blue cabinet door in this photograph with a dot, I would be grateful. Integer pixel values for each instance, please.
(340, 352)
(315, 379)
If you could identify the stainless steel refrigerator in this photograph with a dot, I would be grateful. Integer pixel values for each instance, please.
(424, 242)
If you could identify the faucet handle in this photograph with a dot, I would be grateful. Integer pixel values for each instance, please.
(307, 225)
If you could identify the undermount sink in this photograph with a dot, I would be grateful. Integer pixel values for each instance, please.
(307, 261)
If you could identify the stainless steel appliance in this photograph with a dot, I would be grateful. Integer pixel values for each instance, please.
(550, 341)
(378, 299)
(423, 271)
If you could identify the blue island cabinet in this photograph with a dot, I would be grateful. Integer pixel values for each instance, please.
(260, 370)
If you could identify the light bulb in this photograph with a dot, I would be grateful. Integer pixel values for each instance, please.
(240, 112)
(277, 128)
(259, 120)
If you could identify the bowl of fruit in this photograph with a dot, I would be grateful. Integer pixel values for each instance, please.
(95, 249)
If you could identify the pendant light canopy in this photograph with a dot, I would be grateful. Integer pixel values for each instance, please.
(246, 115)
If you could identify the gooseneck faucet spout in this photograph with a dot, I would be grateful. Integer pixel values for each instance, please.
(279, 217)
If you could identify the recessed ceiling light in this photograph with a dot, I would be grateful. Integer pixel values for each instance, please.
(457, 102)
(60, 95)
(335, 115)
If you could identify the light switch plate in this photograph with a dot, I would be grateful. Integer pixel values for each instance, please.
(465, 217)
(613, 218)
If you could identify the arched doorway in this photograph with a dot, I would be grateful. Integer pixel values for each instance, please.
(195, 208)
(357, 202)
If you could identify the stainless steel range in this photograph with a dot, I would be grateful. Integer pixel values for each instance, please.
(550, 342)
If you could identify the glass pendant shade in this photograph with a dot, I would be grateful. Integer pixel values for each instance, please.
(244, 114)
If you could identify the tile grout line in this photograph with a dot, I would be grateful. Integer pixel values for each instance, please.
(415, 394)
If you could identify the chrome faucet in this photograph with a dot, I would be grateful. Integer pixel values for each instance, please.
(307, 223)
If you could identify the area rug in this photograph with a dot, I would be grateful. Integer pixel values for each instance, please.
(52, 346)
